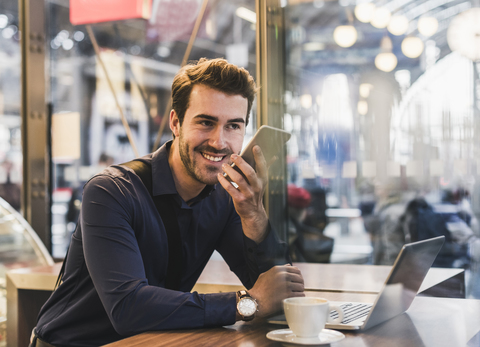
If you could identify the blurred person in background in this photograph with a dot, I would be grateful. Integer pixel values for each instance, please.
(384, 225)
(450, 217)
(307, 243)
(10, 191)
(316, 212)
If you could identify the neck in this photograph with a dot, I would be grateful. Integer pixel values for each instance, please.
(187, 187)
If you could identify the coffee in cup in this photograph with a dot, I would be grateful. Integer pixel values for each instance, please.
(306, 316)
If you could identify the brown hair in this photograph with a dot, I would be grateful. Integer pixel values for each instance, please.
(214, 73)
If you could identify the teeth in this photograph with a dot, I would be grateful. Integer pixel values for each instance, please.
(209, 157)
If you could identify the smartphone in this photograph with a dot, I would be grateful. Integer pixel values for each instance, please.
(270, 140)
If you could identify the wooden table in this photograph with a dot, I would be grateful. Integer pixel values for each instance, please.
(29, 288)
(442, 282)
(430, 322)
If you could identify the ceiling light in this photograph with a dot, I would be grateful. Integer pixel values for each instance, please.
(67, 44)
(364, 12)
(63, 35)
(386, 44)
(386, 61)
(398, 25)
(210, 29)
(362, 107)
(463, 34)
(3, 21)
(9, 32)
(365, 89)
(246, 14)
(427, 26)
(78, 36)
(412, 47)
(163, 51)
(306, 101)
(381, 18)
(345, 35)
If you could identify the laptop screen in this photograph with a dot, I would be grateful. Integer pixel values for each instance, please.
(404, 280)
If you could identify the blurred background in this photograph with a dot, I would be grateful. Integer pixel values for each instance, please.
(382, 99)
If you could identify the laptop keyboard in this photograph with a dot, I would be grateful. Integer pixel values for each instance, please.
(353, 311)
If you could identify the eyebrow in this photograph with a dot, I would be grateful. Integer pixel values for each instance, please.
(215, 119)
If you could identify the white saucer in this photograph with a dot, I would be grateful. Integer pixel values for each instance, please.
(288, 338)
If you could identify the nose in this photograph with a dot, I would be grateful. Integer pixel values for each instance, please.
(218, 139)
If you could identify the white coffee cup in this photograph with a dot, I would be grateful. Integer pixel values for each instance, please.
(306, 316)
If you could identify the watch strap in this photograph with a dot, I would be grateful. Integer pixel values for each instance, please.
(242, 294)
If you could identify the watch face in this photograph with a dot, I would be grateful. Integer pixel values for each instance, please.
(247, 307)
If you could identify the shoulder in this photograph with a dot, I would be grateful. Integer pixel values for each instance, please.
(115, 180)
(112, 173)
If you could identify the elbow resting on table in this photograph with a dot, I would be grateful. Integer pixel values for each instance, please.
(126, 315)
(122, 325)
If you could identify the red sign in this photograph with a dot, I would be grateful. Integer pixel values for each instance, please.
(95, 11)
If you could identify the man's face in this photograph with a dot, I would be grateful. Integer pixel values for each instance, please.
(213, 128)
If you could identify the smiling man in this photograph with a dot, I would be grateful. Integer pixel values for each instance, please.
(145, 235)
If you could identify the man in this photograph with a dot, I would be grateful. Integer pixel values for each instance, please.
(116, 269)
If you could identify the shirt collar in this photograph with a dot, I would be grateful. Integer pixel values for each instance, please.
(166, 185)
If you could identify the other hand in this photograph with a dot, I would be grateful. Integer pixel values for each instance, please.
(275, 285)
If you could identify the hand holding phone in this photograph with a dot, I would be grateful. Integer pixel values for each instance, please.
(270, 140)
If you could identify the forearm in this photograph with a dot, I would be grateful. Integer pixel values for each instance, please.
(246, 258)
(256, 227)
(159, 309)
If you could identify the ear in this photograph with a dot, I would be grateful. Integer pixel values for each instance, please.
(174, 123)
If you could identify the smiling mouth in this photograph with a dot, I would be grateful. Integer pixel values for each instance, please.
(212, 158)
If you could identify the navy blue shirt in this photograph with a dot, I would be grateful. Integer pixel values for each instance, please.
(114, 279)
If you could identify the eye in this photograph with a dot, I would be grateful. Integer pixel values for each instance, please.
(233, 126)
(206, 123)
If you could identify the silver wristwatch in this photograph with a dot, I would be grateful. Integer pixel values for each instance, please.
(246, 305)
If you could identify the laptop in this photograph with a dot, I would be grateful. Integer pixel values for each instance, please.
(397, 294)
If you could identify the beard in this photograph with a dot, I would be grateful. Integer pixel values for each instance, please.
(206, 174)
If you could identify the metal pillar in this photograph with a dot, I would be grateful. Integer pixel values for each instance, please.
(35, 119)
(270, 106)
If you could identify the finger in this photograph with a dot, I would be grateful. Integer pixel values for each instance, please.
(228, 186)
(292, 269)
(295, 278)
(260, 162)
(234, 175)
(297, 287)
(247, 171)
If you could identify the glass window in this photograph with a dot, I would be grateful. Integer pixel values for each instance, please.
(382, 99)
(11, 242)
(10, 122)
(141, 58)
